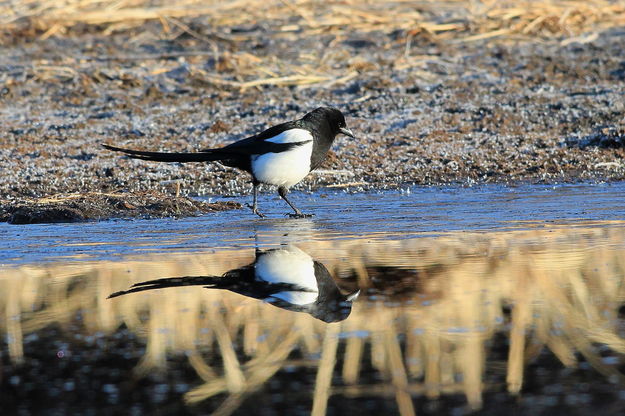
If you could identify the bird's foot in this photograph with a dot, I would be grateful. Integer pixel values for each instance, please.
(300, 215)
(255, 211)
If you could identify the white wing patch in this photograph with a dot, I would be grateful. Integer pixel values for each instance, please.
(285, 168)
(291, 136)
(291, 266)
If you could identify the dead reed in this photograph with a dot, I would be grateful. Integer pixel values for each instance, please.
(457, 19)
(211, 22)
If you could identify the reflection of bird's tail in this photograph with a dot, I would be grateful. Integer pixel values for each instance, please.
(203, 156)
(207, 281)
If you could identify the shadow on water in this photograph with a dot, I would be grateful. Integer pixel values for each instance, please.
(300, 318)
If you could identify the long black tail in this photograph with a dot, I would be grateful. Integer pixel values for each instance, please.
(206, 281)
(203, 156)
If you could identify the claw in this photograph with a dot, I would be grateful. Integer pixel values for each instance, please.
(255, 210)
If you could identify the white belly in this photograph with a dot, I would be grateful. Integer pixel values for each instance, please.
(297, 298)
(285, 168)
(290, 266)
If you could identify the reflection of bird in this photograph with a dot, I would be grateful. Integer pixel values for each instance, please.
(287, 278)
(281, 155)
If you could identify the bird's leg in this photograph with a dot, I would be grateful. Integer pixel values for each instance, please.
(255, 200)
(282, 191)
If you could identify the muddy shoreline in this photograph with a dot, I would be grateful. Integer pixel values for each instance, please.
(92, 206)
(427, 112)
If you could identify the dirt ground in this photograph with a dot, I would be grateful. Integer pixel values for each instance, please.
(426, 109)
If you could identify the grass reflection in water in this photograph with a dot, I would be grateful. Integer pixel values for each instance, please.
(430, 312)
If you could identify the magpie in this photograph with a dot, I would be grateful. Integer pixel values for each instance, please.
(282, 155)
(287, 278)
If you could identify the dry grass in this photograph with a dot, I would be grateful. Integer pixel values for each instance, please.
(564, 287)
(458, 19)
(210, 21)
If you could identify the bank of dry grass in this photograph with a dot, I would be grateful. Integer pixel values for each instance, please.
(450, 20)
(457, 19)
(439, 92)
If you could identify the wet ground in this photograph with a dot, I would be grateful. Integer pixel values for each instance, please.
(427, 110)
(427, 300)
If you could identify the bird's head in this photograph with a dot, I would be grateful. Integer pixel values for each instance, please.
(333, 117)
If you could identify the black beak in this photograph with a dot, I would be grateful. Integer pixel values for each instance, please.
(347, 132)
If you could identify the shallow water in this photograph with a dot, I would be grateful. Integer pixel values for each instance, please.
(412, 212)
(429, 300)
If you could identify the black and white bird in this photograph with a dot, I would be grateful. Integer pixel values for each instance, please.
(282, 155)
(287, 278)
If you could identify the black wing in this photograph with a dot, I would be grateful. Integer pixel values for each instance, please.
(240, 281)
(258, 144)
